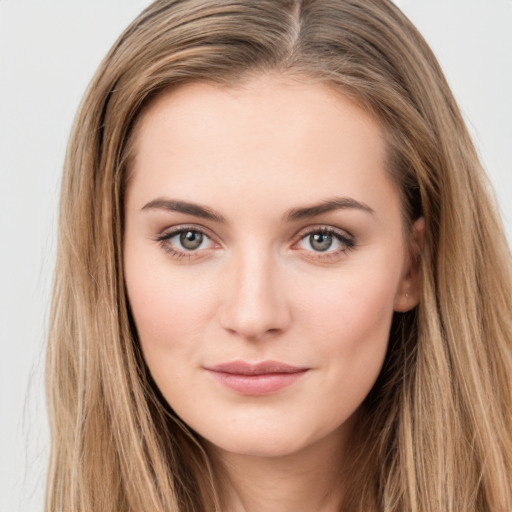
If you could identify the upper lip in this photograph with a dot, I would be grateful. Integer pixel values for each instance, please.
(262, 368)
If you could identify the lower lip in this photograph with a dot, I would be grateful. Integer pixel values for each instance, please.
(257, 385)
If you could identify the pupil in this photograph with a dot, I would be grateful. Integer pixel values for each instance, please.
(191, 240)
(321, 241)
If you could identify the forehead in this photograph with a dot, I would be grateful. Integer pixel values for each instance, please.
(292, 141)
(262, 102)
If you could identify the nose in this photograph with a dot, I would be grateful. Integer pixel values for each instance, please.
(254, 300)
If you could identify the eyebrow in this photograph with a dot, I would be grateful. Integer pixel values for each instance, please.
(336, 203)
(173, 205)
(204, 212)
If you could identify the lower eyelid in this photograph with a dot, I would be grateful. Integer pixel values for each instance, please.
(178, 254)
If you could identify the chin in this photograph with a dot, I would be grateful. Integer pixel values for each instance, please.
(259, 446)
(274, 440)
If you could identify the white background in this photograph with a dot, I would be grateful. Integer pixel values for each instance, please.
(48, 52)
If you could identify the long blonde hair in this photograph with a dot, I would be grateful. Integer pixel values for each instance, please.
(437, 427)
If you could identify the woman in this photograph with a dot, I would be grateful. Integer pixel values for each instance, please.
(281, 281)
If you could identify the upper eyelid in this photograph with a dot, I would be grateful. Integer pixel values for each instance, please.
(303, 232)
(174, 230)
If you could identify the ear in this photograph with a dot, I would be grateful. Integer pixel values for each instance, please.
(408, 294)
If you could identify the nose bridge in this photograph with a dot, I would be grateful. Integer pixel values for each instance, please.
(254, 305)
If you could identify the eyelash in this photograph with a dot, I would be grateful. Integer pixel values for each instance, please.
(344, 238)
(346, 241)
(165, 237)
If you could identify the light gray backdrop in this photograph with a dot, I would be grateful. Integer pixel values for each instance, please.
(48, 52)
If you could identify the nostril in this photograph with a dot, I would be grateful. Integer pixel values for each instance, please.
(253, 306)
(254, 324)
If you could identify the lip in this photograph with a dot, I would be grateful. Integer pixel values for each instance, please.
(256, 379)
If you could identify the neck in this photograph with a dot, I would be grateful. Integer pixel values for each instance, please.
(308, 479)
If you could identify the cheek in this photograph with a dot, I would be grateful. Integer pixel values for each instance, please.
(352, 305)
(170, 317)
(169, 307)
(348, 320)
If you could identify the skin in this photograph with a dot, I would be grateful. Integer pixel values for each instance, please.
(257, 288)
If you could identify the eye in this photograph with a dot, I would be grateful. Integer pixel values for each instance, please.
(320, 241)
(185, 242)
(325, 241)
(190, 240)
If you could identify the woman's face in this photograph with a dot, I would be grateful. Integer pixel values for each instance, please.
(264, 256)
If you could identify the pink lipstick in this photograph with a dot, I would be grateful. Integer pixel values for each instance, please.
(256, 379)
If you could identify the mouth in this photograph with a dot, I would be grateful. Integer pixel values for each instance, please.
(256, 379)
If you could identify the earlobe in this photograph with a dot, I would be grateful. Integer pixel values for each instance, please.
(409, 290)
